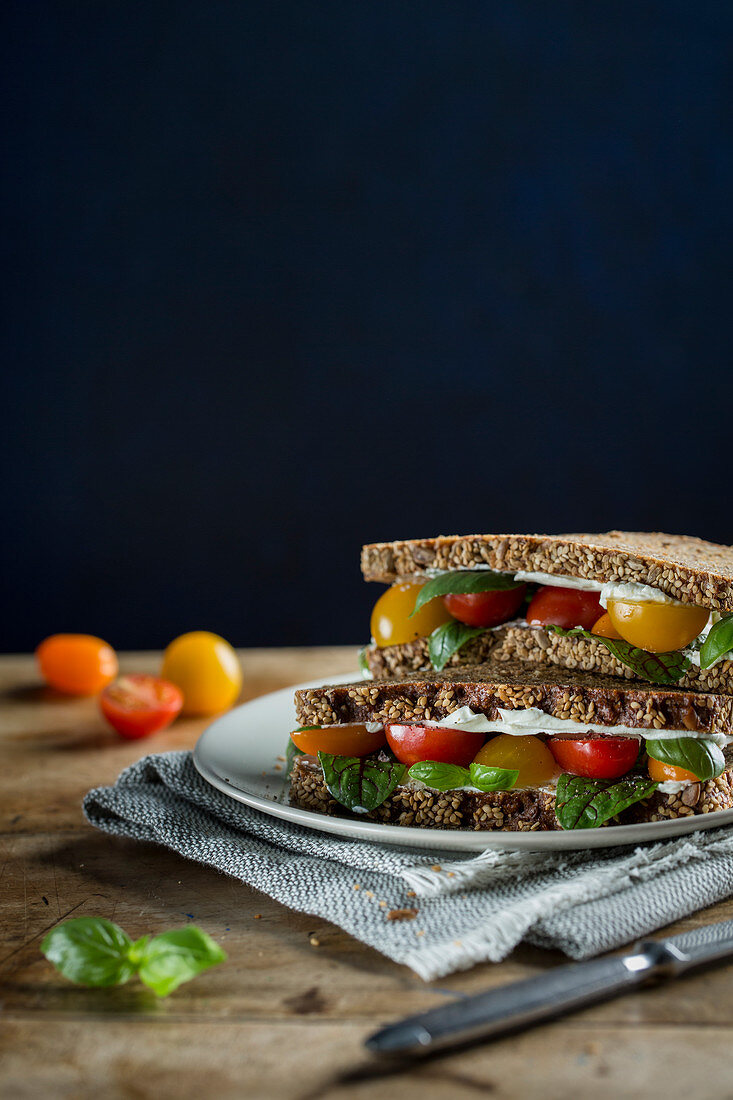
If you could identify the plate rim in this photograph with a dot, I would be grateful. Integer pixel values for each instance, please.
(465, 840)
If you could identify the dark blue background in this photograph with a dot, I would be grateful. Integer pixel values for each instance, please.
(284, 277)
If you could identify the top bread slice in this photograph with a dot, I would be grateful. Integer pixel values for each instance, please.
(686, 568)
(580, 696)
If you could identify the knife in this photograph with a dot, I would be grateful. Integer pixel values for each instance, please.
(564, 989)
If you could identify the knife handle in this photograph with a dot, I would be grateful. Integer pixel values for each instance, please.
(561, 989)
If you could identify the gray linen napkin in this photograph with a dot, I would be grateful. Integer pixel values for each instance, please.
(459, 911)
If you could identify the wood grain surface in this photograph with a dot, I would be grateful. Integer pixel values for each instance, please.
(286, 1015)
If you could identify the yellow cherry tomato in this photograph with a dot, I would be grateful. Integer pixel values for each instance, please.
(530, 756)
(657, 627)
(391, 622)
(206, 669)
(340, 740)
(77, 664)
(660, 772)
(604, 628)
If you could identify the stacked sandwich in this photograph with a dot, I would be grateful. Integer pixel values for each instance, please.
(531, 682)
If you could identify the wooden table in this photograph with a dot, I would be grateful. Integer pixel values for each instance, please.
(285, 1016)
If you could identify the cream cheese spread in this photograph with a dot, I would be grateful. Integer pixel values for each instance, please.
(609, 590)
(673, 786)
(531, 721)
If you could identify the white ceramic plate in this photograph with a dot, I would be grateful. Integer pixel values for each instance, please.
(241, 755)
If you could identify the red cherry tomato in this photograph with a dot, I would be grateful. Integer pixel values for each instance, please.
(564, 607)
(138, 705)
(595, 758)
(485, 608)
(411, 744)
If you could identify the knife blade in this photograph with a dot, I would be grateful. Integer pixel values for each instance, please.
(564, 989)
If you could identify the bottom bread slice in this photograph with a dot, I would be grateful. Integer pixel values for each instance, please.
(524, 810)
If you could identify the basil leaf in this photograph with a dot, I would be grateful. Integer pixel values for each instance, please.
(175, 957)
(492, 779)
(701, 757)
(461, 581)
(442, 777)
(586, 803)
(449, 777)
(364, 664)
(718, 642)
(658, 668)
(360, 783)
(90, 951)
(447, 640)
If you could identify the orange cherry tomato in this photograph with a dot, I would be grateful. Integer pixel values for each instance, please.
(660, 772)
(77, 664)
(138, 705)
(339, 740)
(391, 623)
(529, 755)
(657, 627)
(604, 628)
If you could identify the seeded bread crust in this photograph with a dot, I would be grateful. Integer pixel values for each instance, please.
(402, 660)
(539, 647)
(574, 694)
(686, 568)
(527, 810)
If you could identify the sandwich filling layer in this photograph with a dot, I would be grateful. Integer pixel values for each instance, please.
(648, 631)
(593, 747)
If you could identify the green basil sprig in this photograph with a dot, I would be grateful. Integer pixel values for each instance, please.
(449, 777)
(462, 581)
(658, 668)
(364, 664)
(448, 639)
(718, 642)
(290, 754)
(492, 779)
(441, 777)
(696, 754)
(96, 952)
(587, 803)
(360, 783)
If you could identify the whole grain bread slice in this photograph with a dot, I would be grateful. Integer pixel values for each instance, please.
(686, 568)
(574, 694)
(539, 647)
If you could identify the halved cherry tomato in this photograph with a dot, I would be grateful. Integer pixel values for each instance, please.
(391, 623)
(660, 772)
(339, 740)
(565, 607)
(485, 608)
(410, 744)
(657, 627)
(595, 758)
(604, 628)
(138, 704)
(527, 754)
(206, 669)
(77, 664)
